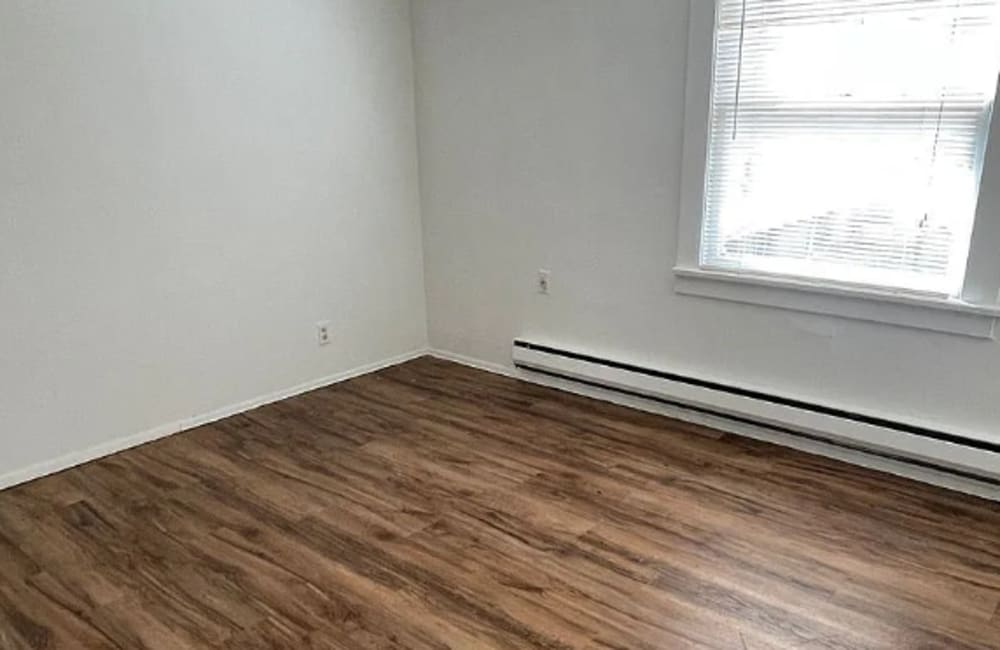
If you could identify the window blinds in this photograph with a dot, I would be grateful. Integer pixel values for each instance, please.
(846, 139)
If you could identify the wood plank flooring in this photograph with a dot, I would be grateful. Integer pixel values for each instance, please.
(434, 506)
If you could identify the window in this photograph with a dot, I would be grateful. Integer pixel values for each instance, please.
(842, 157)
(846, 139)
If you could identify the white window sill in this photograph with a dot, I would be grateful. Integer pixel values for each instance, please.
(904, 310)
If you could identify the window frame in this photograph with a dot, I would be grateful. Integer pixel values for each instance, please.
(974, 313)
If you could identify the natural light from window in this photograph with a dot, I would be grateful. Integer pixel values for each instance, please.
(846, 139)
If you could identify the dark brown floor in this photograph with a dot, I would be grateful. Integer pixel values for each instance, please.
(434, 506)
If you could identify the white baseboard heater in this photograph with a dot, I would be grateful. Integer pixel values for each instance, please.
(940, 451)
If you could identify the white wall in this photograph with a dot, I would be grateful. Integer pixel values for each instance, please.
(550, 137)
(186, 187)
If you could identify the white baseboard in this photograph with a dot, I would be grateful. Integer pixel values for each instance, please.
(80, 457)
(759, 433)
(495, 368)
(898, 468)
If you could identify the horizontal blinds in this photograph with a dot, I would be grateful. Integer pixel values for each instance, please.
(846, 138)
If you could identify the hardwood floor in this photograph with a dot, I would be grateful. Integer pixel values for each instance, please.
(435, 506)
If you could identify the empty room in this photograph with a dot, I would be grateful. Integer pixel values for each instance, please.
(499, 324)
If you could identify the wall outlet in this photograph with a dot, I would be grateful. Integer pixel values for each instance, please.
(323, 333)
(543, 281)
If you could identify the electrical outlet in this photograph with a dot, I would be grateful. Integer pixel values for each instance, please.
(543, 281)
(323, 333)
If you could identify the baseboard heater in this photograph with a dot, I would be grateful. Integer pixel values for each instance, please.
(941, 451)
